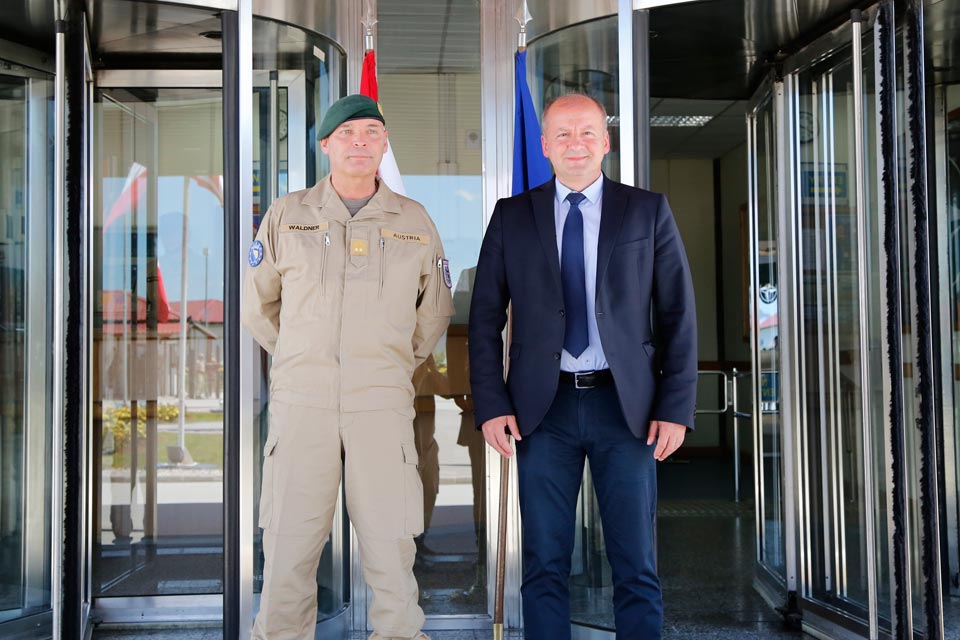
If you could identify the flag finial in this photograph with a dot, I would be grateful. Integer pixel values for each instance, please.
(523, 17)
(369, 19)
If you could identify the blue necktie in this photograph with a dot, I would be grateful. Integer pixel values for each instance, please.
(574, 279)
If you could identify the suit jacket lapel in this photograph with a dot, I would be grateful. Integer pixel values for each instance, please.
(611, 218)
(543, 213)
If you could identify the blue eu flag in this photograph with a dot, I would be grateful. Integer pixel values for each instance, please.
(530, 168)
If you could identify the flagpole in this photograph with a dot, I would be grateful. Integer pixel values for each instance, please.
(528, 171)
(388, 171)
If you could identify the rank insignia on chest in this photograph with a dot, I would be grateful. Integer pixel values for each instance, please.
(447, 280)
(358, 247)
(255, 257)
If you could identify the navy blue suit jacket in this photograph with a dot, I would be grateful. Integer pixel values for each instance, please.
(643, 288)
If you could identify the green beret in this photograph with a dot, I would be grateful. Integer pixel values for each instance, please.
(348, 108)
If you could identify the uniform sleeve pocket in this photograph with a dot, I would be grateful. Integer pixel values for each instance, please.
(267, 482)
(412, 491)
(270, 445)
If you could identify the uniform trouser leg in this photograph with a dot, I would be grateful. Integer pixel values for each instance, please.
(625, 479)
(301, 479)
(550, 470)
(385, 503)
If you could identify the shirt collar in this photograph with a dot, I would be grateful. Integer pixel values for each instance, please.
(592, 192)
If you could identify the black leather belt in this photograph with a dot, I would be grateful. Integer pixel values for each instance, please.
(587, 379)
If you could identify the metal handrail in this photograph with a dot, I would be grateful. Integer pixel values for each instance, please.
(737, 415)
(730, 404)
(726, 394)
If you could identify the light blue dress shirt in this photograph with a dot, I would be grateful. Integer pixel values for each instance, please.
(592, 358)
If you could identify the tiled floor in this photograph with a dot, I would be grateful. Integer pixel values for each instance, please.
(951, 618)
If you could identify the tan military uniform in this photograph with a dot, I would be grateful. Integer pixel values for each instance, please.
(348, 307)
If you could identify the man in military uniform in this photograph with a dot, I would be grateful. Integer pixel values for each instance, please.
(348, 288)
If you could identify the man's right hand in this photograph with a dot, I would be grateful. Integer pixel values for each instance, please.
(495, 433)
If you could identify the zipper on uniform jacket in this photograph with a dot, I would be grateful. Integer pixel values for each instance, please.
(383, 244)
(439, 279)
(323, 262)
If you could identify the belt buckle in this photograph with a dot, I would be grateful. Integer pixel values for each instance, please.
(576, 380)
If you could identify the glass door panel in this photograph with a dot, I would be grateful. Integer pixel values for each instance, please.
(583, 58)
(948, 196)
(948, 185)
(26, 208)
(838, 257)
(297, 75)
(832, 299)
(437, 144)
(765, 316)
(158, 342)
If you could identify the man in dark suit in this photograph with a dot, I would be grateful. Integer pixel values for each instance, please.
(603, 365)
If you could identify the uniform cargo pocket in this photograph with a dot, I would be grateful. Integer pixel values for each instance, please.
(267, 482)
(412, 491)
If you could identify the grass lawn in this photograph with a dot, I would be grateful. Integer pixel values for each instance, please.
(206, 448)
(204, 416)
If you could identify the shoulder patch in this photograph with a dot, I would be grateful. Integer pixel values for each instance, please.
(403, 236)
(255, 257)
(447, 280)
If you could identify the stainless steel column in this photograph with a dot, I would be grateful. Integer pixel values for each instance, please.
(639, 74)
(790, 381)
(56, 462)
(274, 175)
(238, 350)
(864, 317)
(498, 43)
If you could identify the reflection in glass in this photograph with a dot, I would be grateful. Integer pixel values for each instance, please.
(831, 330)
(158, 343)
(841, 309)
(25, 336)
(437, 146)
(581, 59)
(950, 283)
(766, 332)
(297, 75)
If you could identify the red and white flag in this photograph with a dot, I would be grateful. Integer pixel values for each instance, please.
(389, 171)
(213, 184)
(135, 188)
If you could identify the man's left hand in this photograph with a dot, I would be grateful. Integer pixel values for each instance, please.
(668, 436)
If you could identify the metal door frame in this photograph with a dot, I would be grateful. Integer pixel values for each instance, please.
(37, 482)
(951, 446)
(773, 587)
(147, 608)
(207, 607)
(71, 317)
(819, 616)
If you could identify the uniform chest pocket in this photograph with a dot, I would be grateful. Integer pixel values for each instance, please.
(301, 255)
(401, 255)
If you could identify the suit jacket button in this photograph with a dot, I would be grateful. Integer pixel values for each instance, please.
(562, 313)
(556, 355)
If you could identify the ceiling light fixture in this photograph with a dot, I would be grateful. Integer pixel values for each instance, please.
(679, 121)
